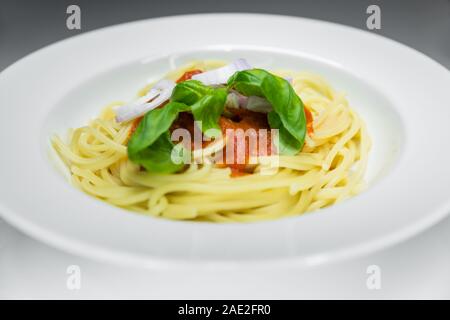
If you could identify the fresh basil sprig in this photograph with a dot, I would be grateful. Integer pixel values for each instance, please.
(150, 145)
(288, 113)
(206, 102)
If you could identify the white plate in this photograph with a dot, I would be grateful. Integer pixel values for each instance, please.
(402, 95)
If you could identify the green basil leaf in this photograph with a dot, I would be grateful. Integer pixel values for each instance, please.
(285, 102)
(158, 156)
(248, 82)
(209, 108)
(189, 92)
(149, 145)
(206, 102)
(145, 146)
(286, 143)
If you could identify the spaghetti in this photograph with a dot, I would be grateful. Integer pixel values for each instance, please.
(328, 169)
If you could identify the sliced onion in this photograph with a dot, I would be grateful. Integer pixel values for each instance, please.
(236, 100)
(252, 103)
(258, 104)
(158, 94)
(242, 99)
(232, 100)
(221, 75)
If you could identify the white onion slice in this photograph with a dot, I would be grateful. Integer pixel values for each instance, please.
(232, 101)
(221, 75)
(252, 103)
(236, 100)
(258, 104)
(157, 95)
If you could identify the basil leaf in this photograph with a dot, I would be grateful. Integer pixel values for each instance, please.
(146, 147)
(206, 102)
(248, 83)
(286, 143)
(209, 108)
(158, 156)
(287, 105)
(150, 145)
(189, 92)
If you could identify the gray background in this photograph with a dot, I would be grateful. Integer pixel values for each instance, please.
(415, 269)
(29, 25)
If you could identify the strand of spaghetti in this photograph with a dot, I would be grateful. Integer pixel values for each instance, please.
(341, 142)
(157, 209)
(339, 172)
(108, 192)
(361, 167)
(216, 217)
(282, 207)
(88, 175)
(110, 178)
(240, 204)
(72, 157)
(102, 125)
(87, 149)
(333, 126)
(153, 180)
(295, 183)
(173, 211)
(137, 197)
(306, 196)
(109, 142)
(202, 198)
(317, 205)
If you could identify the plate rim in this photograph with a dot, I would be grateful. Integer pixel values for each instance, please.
(74, 245)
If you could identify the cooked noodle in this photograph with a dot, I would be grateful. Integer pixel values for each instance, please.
(329, 169)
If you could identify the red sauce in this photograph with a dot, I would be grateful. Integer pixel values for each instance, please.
(242, 119)
(309, 121)
(188, 75)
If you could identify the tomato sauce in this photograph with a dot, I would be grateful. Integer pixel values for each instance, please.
(245, 119)
(188, 75)
(309, 121)
(240, 119)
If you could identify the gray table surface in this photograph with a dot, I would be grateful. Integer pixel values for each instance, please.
(416, 269)
(29, 25)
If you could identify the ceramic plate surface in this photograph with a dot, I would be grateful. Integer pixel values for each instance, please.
(401, 94)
